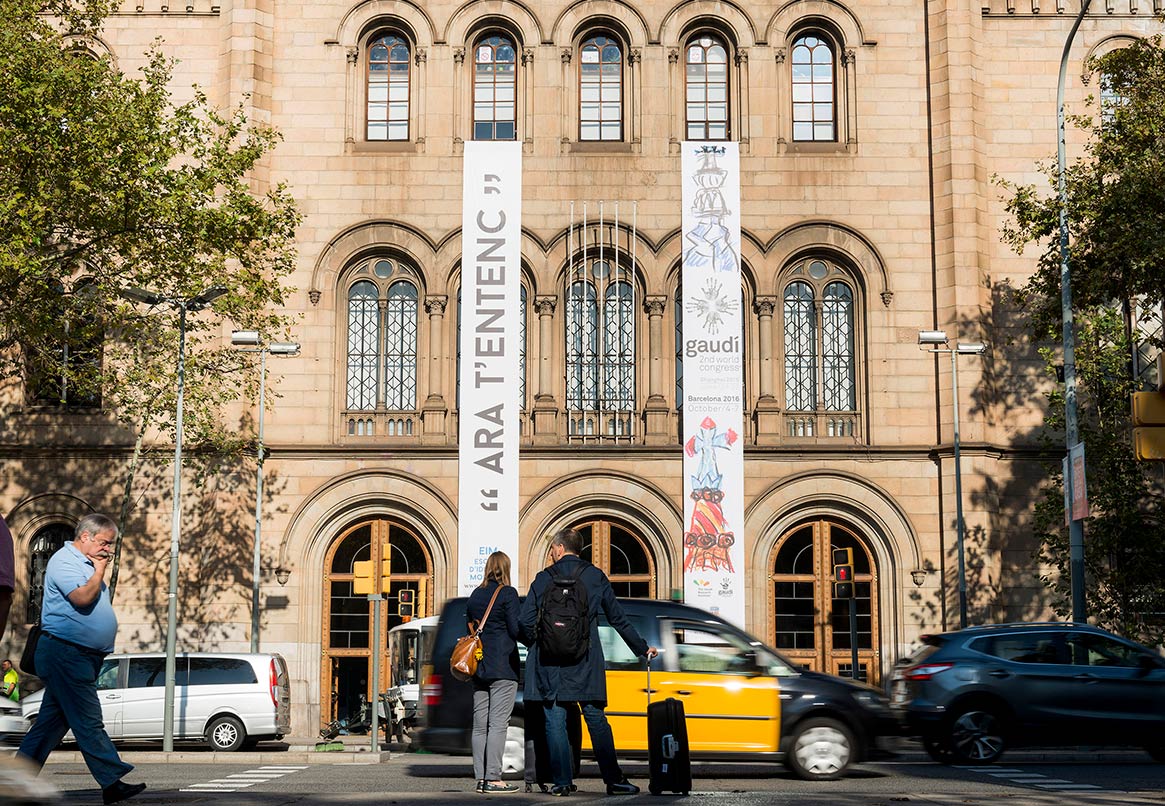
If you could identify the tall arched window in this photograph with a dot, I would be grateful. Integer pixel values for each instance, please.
(44, 544)
(382, 339)
(495, 92)
(600, 89)
(623, 554)
(389, 61)
(66, 372)
(814, 89)
(706, 88)
(820, 355)
(600, 351)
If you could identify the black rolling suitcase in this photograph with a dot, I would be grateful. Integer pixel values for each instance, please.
(668, 758)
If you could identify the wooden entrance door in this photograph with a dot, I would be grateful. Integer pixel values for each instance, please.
(806, 622)
(346, 670)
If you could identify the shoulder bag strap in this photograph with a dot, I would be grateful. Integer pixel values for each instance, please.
(493, 599)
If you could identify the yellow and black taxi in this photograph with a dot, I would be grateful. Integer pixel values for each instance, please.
(742, 700)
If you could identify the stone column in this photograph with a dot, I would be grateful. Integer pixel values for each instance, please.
(768, 413)
(545, 409)
(434, 412)
(657, 415)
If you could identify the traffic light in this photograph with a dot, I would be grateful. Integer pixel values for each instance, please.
(1149, 425)
(843, 573)
(405, 603)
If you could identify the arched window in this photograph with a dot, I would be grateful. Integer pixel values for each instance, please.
(44, 544)
(389, 61)
(382, 337)
(623, 554)
(66, 372)
(600, 89)
(495, 94)
(819, 349)
(706, 88)
(814, 89)
(600, 351)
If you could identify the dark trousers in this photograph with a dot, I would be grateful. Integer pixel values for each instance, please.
(558, 742)
(70, 702)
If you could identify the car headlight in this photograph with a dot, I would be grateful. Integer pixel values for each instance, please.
(875, 702)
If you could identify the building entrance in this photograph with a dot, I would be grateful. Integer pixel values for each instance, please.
(806, 622)
(405, 564)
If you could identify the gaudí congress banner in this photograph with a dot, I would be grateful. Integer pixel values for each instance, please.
(490, 371)
(712, 380)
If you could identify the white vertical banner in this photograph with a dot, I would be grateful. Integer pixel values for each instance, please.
(491, 255)
(713, 380)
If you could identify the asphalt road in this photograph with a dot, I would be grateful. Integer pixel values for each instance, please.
(414, 778)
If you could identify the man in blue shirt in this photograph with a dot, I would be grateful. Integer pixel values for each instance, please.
(79, 629)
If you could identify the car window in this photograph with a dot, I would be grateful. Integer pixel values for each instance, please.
(147, 672)
(1086, 649)
(707, 650)
(220, 672)
(615, 650)
(1024, 647)
(107, 677)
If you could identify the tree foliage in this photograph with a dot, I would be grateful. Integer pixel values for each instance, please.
(107, 183)
(1116, 210)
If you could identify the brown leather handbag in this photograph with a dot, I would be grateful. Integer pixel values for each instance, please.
(467, 651)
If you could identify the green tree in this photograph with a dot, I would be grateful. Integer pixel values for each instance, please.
(107, 183)
(1116, 209)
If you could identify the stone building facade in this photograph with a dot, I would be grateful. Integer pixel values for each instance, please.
(869, 135)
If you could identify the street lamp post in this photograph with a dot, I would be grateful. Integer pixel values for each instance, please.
(932, 338)
(249, 341)
(184, 305)
(1071, 428)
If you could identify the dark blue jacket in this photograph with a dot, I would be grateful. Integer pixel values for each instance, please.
(586, 681)
(499, 646)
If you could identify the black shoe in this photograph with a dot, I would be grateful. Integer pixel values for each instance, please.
(480, 785)
(561, 791)
(490, 788)
(120, 790)
(624, 787)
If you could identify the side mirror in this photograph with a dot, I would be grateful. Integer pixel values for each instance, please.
(1147, 663)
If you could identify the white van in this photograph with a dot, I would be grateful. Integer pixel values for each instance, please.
(409, 647)
(230, 701)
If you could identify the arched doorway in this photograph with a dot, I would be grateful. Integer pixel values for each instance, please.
(44, 544)
(622, 554)
(346, 672)
(806, 622)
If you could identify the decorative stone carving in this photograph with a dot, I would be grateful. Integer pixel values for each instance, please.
(741, 57)
(779, 53)
(764, 306)
(655, 305)
(849, 57)
(353, 54)
(421, 57)
(673, 55)
(459, 55)
(634, 56)
(566, 55)
(545, 305)
(314, 296)
(527, 56)
(887, 298)
(436, 304)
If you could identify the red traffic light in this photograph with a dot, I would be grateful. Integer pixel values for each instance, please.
(843, 573)
(405, 596)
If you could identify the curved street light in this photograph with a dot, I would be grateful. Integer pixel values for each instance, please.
(249, 341)
(183, 305)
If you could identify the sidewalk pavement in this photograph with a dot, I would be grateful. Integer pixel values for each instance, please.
(358, 750)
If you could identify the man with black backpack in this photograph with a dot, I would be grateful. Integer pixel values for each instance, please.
(565, 667)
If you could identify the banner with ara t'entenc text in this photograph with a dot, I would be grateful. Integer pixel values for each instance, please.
(491, 291)
(713, 380)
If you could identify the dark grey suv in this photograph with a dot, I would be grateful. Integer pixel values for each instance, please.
(973, 693)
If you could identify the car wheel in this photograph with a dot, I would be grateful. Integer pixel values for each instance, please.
(514, 754)
(822, 750)
(1157, 751)
(976, 736)
(938, 749)
(225, 733)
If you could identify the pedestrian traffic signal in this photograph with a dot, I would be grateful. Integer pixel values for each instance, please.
(405, 603)
(843, 573)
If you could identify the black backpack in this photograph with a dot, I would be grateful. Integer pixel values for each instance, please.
(564, 628)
